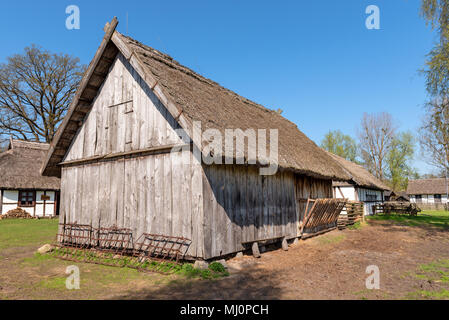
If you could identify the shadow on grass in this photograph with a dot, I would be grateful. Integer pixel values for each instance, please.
(250, 284)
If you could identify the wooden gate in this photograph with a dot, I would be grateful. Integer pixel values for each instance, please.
(321, 216)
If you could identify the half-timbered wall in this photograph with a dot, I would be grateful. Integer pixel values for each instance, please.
(369, 197)
(41, 208)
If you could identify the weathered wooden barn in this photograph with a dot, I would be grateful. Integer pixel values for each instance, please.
(114, 154)
(363, 186)
(21, 183)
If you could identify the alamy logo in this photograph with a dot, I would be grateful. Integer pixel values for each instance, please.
(237, 146)
(373, 20)
(73, 21)
(73, 280)
(373, 280)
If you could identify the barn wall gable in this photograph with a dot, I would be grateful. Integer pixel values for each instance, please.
(125, 116)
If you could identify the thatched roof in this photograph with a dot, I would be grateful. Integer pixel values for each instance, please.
(190, 97)
(20, 167)
(359, 175)
(427, 186)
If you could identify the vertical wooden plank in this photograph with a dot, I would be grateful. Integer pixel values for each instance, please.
(229, 212)
(178, 212)
(150, 195)
(160, 221)
(186, 213)
(239, 190)
(94, 191)
(197, 208)
(259, 205)
(120, 205)
(105, 194)
(208, 200)
(168, 206)
(265, 202)
(130, 203)
(142, 195)
(252, 210)
(143, 107)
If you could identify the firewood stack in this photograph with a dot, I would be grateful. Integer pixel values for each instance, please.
(342, 221)
(395, 207)
(17, 213)
(354, 213)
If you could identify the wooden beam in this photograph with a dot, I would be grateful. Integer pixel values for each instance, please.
(146, 151)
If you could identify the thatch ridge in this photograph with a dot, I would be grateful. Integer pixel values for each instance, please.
(360, 176)
(216, 107)
(427, 186)
(199, 99)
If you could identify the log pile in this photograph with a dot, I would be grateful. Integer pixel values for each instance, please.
(342, 222)
(17, 213)
(395, 207)
(354, 213)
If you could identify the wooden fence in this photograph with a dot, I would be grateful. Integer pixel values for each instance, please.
(321, 216)
(394, 207)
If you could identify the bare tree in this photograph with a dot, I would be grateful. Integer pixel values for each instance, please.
(36, 88)
(376, 134)
(434, 134)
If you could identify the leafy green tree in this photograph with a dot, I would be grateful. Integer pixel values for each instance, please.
(434, 133)
(340, 144)
(398, 160)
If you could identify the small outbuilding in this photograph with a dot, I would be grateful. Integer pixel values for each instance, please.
(431, 193)
(362, 187)
(21, 183)
(128, 156)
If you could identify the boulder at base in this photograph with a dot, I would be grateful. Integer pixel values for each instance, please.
(45, 249)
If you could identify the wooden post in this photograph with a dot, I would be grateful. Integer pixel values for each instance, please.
(43, 209)
(284, 244)
(255, 248)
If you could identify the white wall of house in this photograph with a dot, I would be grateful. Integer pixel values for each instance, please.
(43, 207)
(345, 193)
(368, 196)
(9, 200)
(428, 199)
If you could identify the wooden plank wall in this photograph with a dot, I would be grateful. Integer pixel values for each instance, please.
(125, 116)
(156, 194)
(241, 206)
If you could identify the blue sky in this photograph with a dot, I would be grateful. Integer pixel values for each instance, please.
(314, 59)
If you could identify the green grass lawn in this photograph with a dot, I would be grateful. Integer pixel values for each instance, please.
(439, 219)
(436, 272)
(23, 233)
(43, 276)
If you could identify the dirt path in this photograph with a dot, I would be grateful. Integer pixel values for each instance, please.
(331, 266)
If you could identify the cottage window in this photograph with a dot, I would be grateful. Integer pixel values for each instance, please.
(27, 198)
(418, 198)
(437, 198)
(371, 197)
